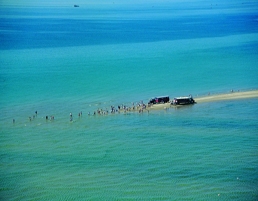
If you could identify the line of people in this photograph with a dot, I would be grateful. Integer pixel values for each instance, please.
(140, 107)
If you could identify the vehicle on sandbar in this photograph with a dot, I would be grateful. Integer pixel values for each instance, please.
(159, 100)
(187, 100)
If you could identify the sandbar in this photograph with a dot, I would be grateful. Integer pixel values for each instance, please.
(215, 98)
(227, 96)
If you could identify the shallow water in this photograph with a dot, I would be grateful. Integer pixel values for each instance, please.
(195, 152)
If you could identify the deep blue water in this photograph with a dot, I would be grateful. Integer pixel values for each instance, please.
(62, 27)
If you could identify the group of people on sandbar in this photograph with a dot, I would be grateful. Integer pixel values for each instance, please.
(140, 107)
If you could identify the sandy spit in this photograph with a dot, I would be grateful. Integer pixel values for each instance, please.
(215, 98)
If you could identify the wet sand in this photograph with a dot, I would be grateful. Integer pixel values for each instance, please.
(227, 96)
(214, 98)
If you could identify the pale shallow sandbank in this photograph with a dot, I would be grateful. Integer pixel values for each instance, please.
(217, 97)
(228, 96)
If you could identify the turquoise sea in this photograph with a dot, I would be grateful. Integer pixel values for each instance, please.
(62, 60)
